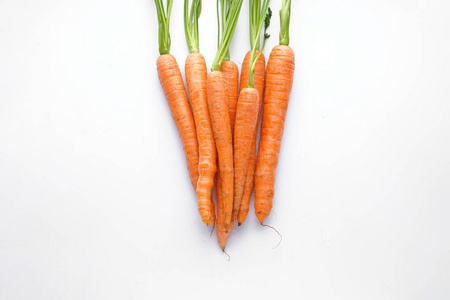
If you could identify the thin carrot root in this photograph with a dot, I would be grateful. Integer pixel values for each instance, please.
(281, 237)
(229, 257)
(212, 231)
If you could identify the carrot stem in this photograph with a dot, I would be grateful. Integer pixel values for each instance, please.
(163, 25)
(230, 17)
(285, 17)
(191, 24)
(225, 9)
(257, 18)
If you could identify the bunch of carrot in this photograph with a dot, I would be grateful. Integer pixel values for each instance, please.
(219, 133)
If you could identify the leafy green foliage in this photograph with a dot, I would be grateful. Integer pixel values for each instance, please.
(267, 19)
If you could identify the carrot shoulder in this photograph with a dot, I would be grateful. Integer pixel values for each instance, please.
(175, 92)
(279, 78)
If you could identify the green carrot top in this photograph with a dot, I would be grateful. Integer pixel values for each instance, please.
(256, 14)
(285, 17)
(191, 24)
(230, 10)
(259, 16)
(222, 14)
(163, 25)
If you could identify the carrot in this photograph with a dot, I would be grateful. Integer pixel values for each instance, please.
(260, 70)
(196, 74)
(231, 73)
(218, 110)
(249, 104)
(172, 84)
(220, 116)
(259, 77)
(246, 125)
(279, 78)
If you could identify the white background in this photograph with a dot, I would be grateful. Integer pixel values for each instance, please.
(95, 199)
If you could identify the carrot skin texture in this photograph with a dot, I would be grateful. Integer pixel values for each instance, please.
(248, 187)
(212, 208)
(220, 119)
(173, 87)
(279, 78)
(222, 233)
(231, 72)
(247, 114)
(259, 78)
(196, 74)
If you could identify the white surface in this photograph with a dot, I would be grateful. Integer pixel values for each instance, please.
(95, 200)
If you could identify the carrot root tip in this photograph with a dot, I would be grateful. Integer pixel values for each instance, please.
(281, 237)
(229, 257)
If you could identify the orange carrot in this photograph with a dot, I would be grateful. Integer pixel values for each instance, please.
(231, 73)
(172, 84)
(196, 82)
(249, 104)
(174, 90)
(218, 110)
(247, 114)
(260, 70)
(255, 71)
(279, 78)
(220, 116)
(196, 75)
